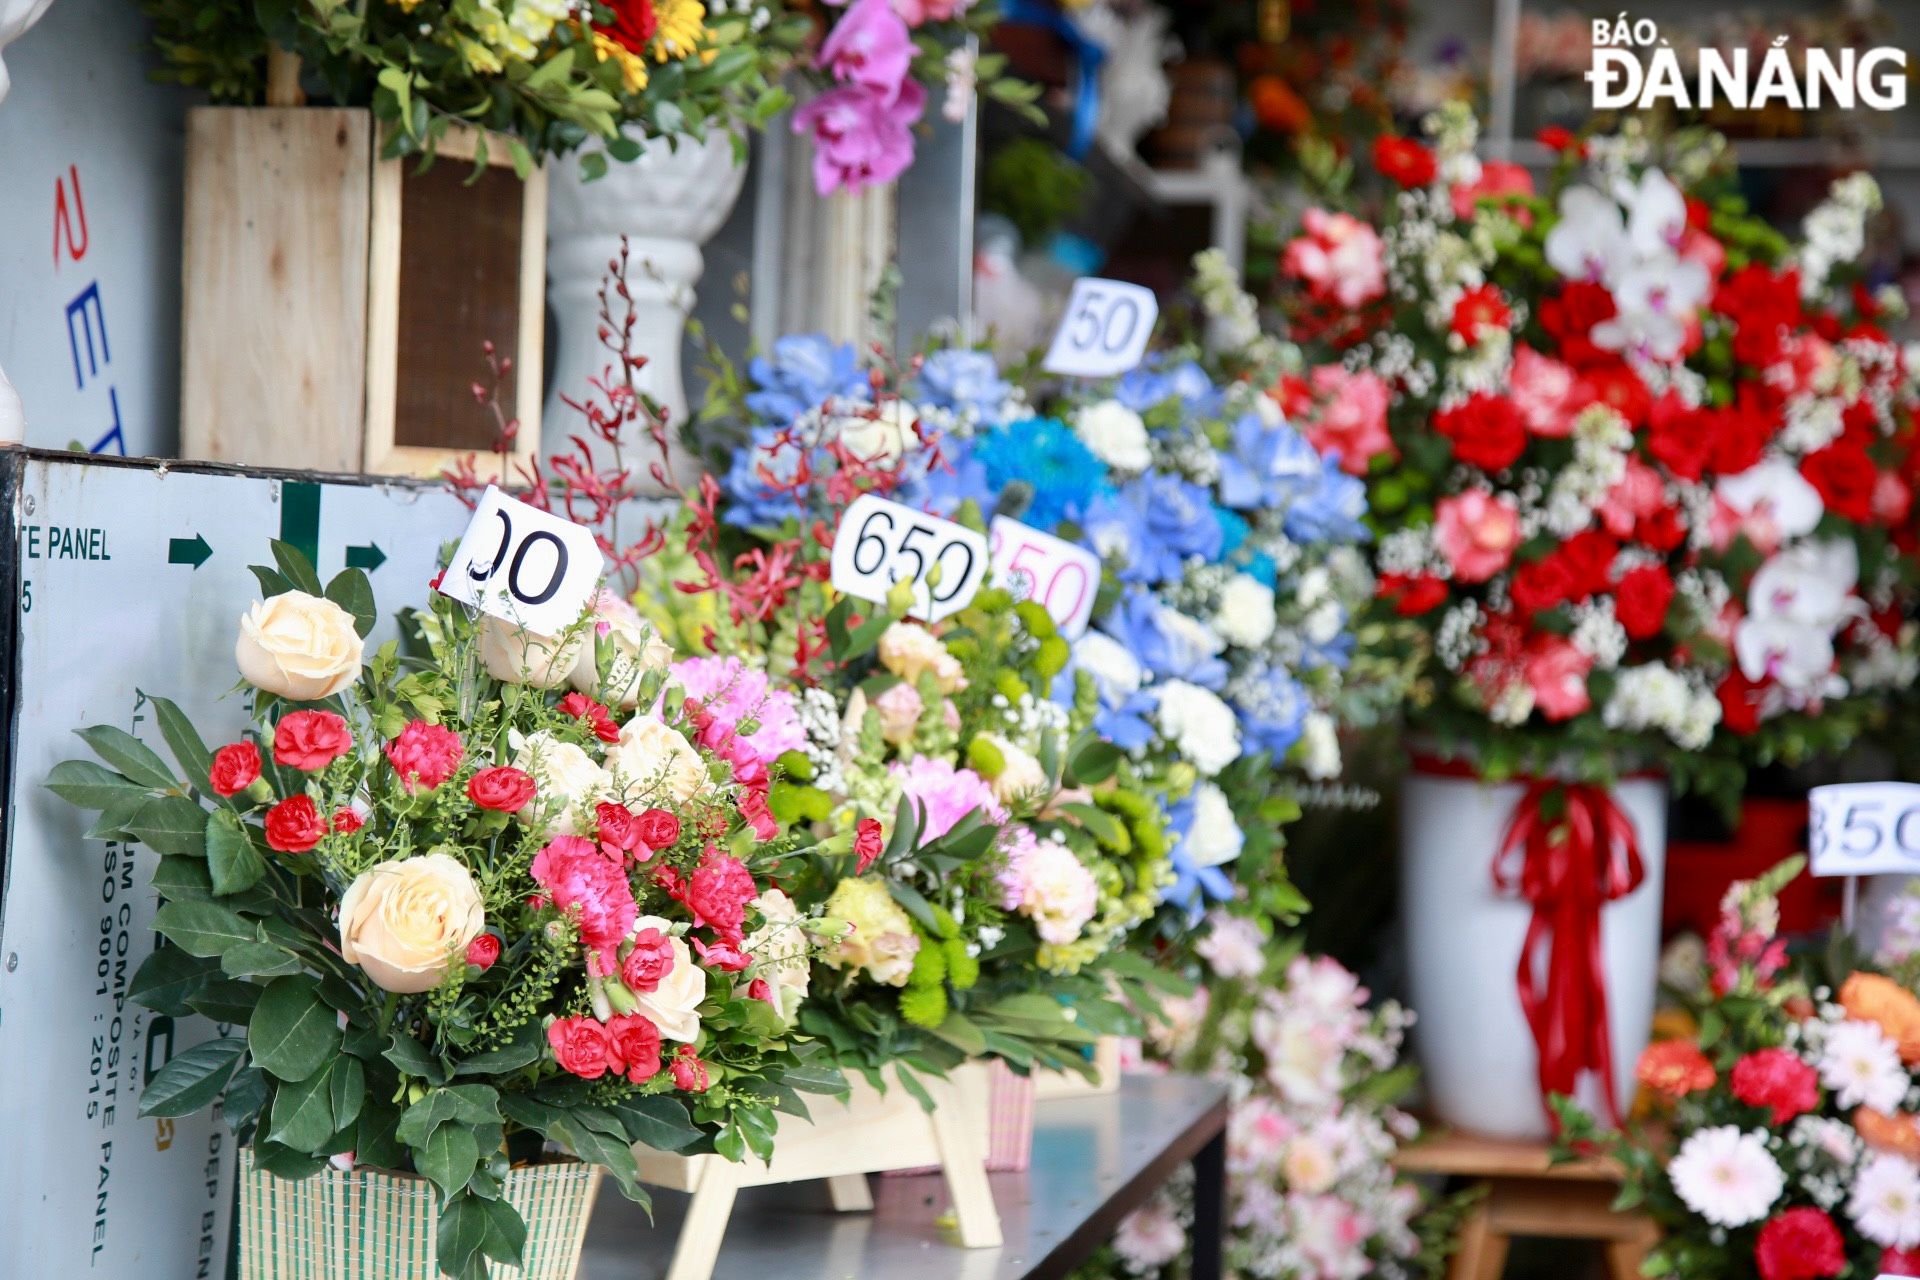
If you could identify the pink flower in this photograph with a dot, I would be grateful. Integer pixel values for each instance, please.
(917, 13)
(1556, 671)
(947, 793)
(869, 48)
(1350, 417)
(1636, 495)
(587, 885)
(1542, 389)
(718, 892)
(732, 694)
(860, 140)
(1497, 178)
(1339, 257)
(425, 754)
(648, 964)
(1477, 533)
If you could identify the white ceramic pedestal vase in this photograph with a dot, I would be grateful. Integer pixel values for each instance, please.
(668, 203)
(1463, 949)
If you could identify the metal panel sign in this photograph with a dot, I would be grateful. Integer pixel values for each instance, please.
(131, 577)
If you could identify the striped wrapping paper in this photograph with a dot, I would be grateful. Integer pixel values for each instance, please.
(371, 1225)
(1008, 1126)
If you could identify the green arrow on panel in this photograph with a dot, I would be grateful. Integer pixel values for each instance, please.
(193, 551)
(300, 518)
(369, 557)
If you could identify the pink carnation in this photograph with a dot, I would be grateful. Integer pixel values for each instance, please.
(1477, 533)
(1350, 416)
(1543, 390)
(1340, 258)
(590, 887)
(1497, 178)
(425, 755)
(1044, 881)
(1556, 671)
(948, 794)
(733, 694)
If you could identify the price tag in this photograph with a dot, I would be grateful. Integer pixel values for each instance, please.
(880, 543)
(524, 565)
(1063, 577)
(1864, 828)
(1105, 329)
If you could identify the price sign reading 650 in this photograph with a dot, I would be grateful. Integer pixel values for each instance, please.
(1105, 329)
(880, 543)
(1864, 828)
(523, 564)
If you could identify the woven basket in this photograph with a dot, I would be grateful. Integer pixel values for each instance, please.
(371, 1225)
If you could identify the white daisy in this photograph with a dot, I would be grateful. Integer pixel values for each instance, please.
(1885, 1203)
(1862, 1067)
(1726, 1176)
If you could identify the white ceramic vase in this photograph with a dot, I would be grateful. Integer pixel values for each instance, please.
(668, 203)
(1463, 949)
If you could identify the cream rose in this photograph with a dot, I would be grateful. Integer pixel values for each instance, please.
(879, 437)
(407, 923)
(515, 655)
(674, 1005)
(650, 755)
(569, 783)
(779, 951)
(299, 646)
(1020, 776)
(906, 649)
(636, 650)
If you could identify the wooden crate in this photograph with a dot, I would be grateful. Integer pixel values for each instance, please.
(871, 1132)
(334, 303)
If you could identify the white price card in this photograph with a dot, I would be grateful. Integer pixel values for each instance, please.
(1105, 329)
(881, 542)
(1864, 828)
(525, 565)
(1062, 576)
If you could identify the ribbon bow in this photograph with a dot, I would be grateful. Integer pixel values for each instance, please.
(1568, 866)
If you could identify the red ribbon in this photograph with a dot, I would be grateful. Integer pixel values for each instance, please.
(1568, 867)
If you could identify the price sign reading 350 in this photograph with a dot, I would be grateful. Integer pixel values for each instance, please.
(1105, 329)
(524, 565)
(880, 543)
(1864, 828)
(1061, 576)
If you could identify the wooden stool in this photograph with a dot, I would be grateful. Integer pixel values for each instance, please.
(1526, 1196)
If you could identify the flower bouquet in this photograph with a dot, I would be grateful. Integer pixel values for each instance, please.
(452, 915)
(1786, 1146)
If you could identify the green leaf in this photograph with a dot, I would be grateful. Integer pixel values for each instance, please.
(133, 758)
(469, 1104)
(113, 820)
(352, 592)
(166, 979)
(202, 928)
(1100, 824)
(412, 1059)
(196, 762)
(462, 1233)
(233, 864)
(524, 1050)
(259, 960)
(183, 878)
(88, 785)
(916, 905)
(291, 561)
(962, 1034)
(303, 1113)
(226, 1000)
(448, 1158)
(193, 1079)
(171, 824)
(1093, 760)
(283, 1161)
(816, 1079)
(293, 1031)
(657, 1120)
(506, 1233)
(349, 1082)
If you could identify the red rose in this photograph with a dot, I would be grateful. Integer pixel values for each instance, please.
(1738, 433)
(310, 740)
(236, 767)
(1777, 1079)
(1412, 594)
(295, 825)
(633, 1047)
(1403, 161)
(1739, 703)
(618, 827)
(723, 956)
(869, 838)
(1899, 1262)
(581, 707)
(649, 963)
(504, 789)
(753, 807)
(1589, 555)
(1845, 477)
(1486, 430)
(1677, 437)
(1480, 307)
(1570, 316)
(1800, 1244)
(1663, 530)
(425, 754)
(633, 25)
(346, 821)
(1616, 386)
(1557, 138)
(483, 951)
(718, 892)
(1764, 308)
(689, 1072)
(658, 829)
(580, 1045)
(759, 989)
(1641, 598)
(1541, 584)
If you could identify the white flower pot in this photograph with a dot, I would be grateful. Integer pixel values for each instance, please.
(668, 203)
(1464, 941)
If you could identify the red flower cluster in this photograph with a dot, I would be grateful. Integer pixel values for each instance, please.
(1778, 1080)
(425, 755)
(310, 740)
(236, 767)
(596, 714)
(627, 1045)
(1800, 1244)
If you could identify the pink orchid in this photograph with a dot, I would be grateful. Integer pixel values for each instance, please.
(860, 138)
(869, 48)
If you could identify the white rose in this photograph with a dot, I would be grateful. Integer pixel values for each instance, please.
(779, 951)
(1020, 776)
(1115, 434)
(1110, 663)
(569, 783)
(636, 651)
(907, 649)
(514, 655)
(298, 646)
(407, 922)
(879, 436)
(1245, 616)
(1199, 724)
(1320, 746)
(674, 1005)
(1214, 838)
(652, 756)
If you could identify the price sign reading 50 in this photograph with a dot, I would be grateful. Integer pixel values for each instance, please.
(1864, 828)
(524, 565)
(880, 543)
(1062, 577)
(1105, 329)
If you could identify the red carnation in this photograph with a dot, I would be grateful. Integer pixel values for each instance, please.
(618, 828)
(1641, 598)
(1616, 386)
(1800, 1244)
(483, 951)
(1412, 594)
(580, 1046)
(869, 838)
(503, 789)
(1558, 138)
(1570, 316)
(753, 807)
(633, 1047)
(295, 825)
(760, 989)
(1480, 307)
(1663, 530)
(1777, 1079)
(650, 961)
(634, 23)
(347, 821)
(1589, 555)
(718, 892)
(689, 1072)
(1677, 438)
(658, 829)
(1541, 584)
(310, 740)
(1764, 308)
(581, 707)
(1899, 1262)
(1738, 433)
(236, 767)
(1403, 161)
(1845, 477)
(723, 956)
(425, 754)
(1739, 703)
(1487, 431)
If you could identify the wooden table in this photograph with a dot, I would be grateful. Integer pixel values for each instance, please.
(1528, 1196)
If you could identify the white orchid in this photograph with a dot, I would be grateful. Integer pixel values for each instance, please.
(1629, 242)
(1796, 603)
(1776, 498)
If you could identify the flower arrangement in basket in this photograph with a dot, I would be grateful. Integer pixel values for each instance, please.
(452, 913)
(1786, 1145)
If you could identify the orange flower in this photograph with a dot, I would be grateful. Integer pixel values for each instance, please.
(1675, 1068)
(1276, 106)
(1896, 1134)
(1889, 1006)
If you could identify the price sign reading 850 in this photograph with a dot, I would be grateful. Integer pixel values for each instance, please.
(1105, 329)
(1864, 828)
(881, 543)
(1061, 577)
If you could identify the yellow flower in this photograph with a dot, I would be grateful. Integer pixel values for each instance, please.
(632, 70)
(881, 940)
(682, 29)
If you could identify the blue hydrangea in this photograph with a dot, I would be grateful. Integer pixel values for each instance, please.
(803, 370)
(751, 501)
(1044, 454)
(1152, 525)
(1266, 465)
(1155, 383)
(1272, 707)
(1166, 641)
(963, 382)
(1332, 510)
(1194, 885)
(1124, 707)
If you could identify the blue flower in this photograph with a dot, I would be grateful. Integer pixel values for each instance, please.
(1266, 466)
(1261, 568)
(805, 370)
(1151, 384)
(1194, 885)
(1123, 705)
(1233, 531)
(963, 381)
(752, 501)
(1169, 643)
(1331, 510)
(1153, 524)
(958, 476)
(1043, 454)
(1272, 707)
